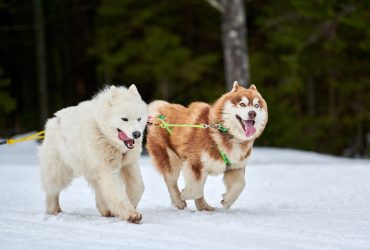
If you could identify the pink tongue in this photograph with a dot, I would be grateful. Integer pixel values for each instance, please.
(122, 136)
(249, 129)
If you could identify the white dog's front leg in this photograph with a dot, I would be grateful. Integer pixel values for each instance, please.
(134, 182)
(235, 182)
(114, 192)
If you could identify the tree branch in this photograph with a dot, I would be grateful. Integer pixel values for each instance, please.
(216, 4)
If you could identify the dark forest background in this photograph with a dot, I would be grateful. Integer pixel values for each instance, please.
(310, 60)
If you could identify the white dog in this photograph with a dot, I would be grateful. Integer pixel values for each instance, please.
(100, 139)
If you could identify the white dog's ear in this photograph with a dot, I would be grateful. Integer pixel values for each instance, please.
(133, 90)
(113, 89)
(253, 87)
(112, 94)
(235, 87)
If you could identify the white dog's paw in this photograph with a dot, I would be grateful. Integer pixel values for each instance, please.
(132, 217)
(106, 213)
(135, 218)
(180, 204)
(55, 211)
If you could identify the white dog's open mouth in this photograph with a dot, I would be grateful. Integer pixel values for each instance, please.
(247, 125)
(130, 143)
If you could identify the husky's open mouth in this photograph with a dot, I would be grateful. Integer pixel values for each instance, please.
(129, 143)
(247, 125)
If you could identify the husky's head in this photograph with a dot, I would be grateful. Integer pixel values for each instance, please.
(122, 115)
(244, 112)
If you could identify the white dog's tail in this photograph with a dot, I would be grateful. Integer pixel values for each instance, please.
(153, 107)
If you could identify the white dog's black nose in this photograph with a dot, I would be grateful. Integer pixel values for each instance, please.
(136, 134)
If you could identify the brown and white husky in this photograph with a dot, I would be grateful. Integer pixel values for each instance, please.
(198, 152)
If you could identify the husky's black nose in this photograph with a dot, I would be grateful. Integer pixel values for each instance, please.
(136, 134)
(252, 114)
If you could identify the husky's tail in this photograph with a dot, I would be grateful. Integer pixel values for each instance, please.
(153, 107)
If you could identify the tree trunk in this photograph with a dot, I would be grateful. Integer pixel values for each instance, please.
(40, 60)
(311, 98)
(234, 41)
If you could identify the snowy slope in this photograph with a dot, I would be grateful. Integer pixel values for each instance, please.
(293, 200)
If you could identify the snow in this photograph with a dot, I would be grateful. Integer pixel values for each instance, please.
(292, 200)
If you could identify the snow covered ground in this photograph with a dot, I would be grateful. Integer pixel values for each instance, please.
(293, 200)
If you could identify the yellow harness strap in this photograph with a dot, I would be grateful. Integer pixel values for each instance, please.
(35, 136)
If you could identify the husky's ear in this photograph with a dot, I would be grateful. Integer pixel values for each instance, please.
(133, 90)
(253, 87)
(235, 87)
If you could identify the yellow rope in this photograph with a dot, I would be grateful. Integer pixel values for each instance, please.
(38, 135)
(166, 125)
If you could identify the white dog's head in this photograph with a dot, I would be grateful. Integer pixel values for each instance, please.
(122, 115)
(244, 112)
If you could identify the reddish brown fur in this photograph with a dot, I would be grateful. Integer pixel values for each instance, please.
(185, 142)
(188, 143)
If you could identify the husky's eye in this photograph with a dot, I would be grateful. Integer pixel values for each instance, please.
(124, 119)
(139, 119)
(256, 105)
(242, 104)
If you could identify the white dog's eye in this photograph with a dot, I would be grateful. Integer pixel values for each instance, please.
(242, 104)
(124, 119)
(139, 119)
(256, 105)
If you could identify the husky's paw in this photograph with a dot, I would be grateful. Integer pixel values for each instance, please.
(180, 204)
(205, 207)
(226, 201)
(226, 204)
(202, 205)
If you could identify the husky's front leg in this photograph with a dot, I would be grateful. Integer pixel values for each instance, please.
(134, 182)
(114, 192)
(195, 178)
(235, 182)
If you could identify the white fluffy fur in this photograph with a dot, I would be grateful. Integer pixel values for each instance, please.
(83, 141)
